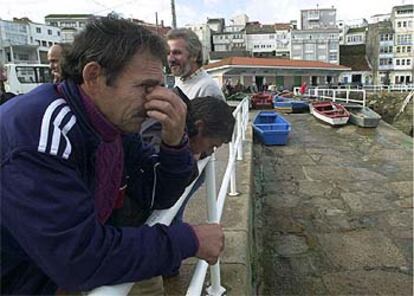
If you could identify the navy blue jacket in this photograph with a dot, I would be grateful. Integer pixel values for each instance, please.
(50, 233)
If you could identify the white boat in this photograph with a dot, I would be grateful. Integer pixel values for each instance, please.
(329, 112)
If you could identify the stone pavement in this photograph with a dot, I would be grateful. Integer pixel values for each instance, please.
(334, 211)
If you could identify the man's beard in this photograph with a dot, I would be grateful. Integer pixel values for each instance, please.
(183, 71)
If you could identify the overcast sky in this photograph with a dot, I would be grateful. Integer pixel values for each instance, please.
(196, 11)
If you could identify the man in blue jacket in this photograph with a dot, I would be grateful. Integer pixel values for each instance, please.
(69, 152)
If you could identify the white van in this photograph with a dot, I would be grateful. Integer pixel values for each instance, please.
(22, 78)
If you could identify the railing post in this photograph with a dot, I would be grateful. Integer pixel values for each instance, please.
(212, 215)
(233, 190)
(244, 118)
(239, 132)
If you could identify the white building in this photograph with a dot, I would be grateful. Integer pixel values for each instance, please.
(402, 21)
(261, 39)
(69, 24)
(203, 32)
(43, 36)
(318, 39)
(355, 36)
(22, 41)
(283, 37)
(14, 43)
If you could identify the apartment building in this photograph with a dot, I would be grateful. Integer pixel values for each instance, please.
(283, 36)
(379, 50)
(318, 39)
(69, 24)
(23, 41)
(402, 21)
(203, 32)
(261, 39)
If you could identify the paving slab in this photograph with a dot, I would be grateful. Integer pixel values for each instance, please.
(334, 211)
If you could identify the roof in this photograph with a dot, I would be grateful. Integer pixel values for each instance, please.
(357, 30)
(281, 26)
(68, 15)
(274, 62)
(259, 29)
(215, 55)
(354, 56)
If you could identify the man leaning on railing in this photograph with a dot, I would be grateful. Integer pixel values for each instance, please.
(68, 150)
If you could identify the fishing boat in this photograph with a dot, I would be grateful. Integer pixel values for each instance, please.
(262, 100)
(271, 128)
(288, 105)
(362, 116)
(330, 112)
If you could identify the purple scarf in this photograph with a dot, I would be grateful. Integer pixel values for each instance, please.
(109, 161)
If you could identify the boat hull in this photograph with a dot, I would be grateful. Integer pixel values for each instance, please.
(363, 116)
(330, 113)
(271, 128)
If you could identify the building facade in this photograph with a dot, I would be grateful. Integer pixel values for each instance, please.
(69, 24)
(283, 73)
(379, 49)
(23, 41)
(402, 18)
(318, 39)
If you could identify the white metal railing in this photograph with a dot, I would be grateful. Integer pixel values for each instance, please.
(359, 96)
(367, 87)
(214, 209)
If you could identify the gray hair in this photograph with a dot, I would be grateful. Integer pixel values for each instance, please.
(194, 46)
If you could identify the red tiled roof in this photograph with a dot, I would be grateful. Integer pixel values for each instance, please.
(267, 62)
(281, 26)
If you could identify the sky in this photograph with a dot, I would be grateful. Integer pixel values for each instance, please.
(197, 11)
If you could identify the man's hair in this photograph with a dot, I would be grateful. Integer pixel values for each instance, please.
(194, 46)
(66, 48)
(111, 43)
(217, 117)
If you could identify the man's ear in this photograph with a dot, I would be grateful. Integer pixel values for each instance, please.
(91, 74)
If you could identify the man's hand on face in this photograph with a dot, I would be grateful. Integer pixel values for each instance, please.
(166, 107)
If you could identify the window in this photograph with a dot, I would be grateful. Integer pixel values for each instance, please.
(404, 39)
(399, 24)
(398, 48)
(333, 56)
(38, 30)
(408, 48)
(49, 32)
(58, 33)
(386, 61)
(408, 62)
(397, 62)
(33, 74)
(309, 48)
(50, 43)
(402, 62)
(44, 43)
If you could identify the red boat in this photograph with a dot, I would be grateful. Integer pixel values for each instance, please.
(262, 100)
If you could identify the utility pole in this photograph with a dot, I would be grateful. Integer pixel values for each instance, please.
(174, 19)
